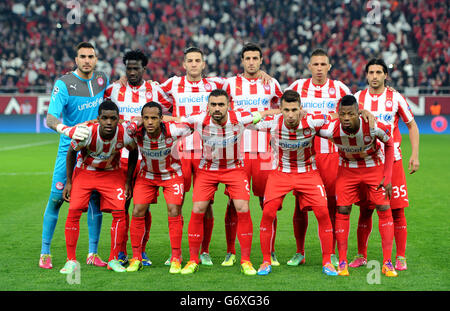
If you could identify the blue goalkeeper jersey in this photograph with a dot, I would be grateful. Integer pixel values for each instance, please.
(76, 100)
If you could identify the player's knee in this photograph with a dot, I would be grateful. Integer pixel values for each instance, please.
(382, 208)
(345, 210)
(241, 206)
(173, 210)
(139, 210)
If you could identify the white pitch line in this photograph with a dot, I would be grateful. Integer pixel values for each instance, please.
(45, 142)
(26, 173)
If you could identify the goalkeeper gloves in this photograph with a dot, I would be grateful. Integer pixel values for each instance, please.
(77, 132)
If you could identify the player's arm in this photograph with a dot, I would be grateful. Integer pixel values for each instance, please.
(58, 101)
(132, 162)
(413, 164)
(70, 164)
(383, 133)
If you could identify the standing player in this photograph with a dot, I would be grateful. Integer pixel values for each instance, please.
(156, 140)
(390, 107)
(292, 140)
(189, 94)
(75, 97)
(319, 95)
(220, 131)
(361, 164)
(97, 169)
(130, 97)
(249, 93)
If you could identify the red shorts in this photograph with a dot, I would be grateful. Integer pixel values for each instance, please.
(190, 161)
(399, 198)
(109, 184)
(308, 186)
(350, 181)
(258, 166)
(146, 190)
(235, 180)
(328, 165)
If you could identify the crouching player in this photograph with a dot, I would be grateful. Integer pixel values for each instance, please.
(97, 169)
(292, 139)
(361, 164)
(159, 168)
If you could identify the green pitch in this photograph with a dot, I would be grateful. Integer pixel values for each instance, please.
(25, 177)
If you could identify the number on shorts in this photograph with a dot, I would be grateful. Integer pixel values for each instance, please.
(322, 189)
(120, 194)
(179, 188)
(398, 191)
(247, 186)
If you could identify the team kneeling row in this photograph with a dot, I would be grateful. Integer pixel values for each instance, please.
(366, 160)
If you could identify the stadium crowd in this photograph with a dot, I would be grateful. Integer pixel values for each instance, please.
(38, 36)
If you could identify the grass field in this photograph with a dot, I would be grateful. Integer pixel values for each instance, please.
(26, 165)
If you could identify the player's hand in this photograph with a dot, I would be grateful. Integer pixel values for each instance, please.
(413, 165)
(128, 190)
(151, 81)
(77, 132)
(66, 192)
(368, 117)
(387, 189)
(303, 114)
(390, 88)
(265, 78)
(122, 81)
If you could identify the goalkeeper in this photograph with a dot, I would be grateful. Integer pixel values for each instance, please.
(75, 97)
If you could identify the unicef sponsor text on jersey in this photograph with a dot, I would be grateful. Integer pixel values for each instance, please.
(193, 98)
(251, 102)
(156, 154)
(321, 104)
(90, 104)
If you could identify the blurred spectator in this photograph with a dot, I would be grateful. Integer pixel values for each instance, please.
(37, 38)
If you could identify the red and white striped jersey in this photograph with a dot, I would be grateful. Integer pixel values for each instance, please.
(320, 99)
(388, 107)
(293, 147)
(221, 144)
(252, 95)
(190, 97)
(99, 154)
(130, 100)
(160, 159)
(362, 149)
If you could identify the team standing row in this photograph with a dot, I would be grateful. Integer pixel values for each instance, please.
(217, 120)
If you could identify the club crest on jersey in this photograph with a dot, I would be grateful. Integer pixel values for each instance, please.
(169, 140)
(331, 91)
(119, 145)
(208, 87)
(306, 132)
(389, 104)
(149, 95)
(267, 87)
(100, 81)
(59, 185)
(367, 139)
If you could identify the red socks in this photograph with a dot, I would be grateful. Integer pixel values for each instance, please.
(230, 227)
(325, 232)
(386, 227)
(137, 233)
(117, 233)
(195, 235)
(364, 229)
(176, 235)
(72, 231)
(245, 234)
(341, 232)
(266, 228)
(400, 231)
(208, 225)
(300, 223)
